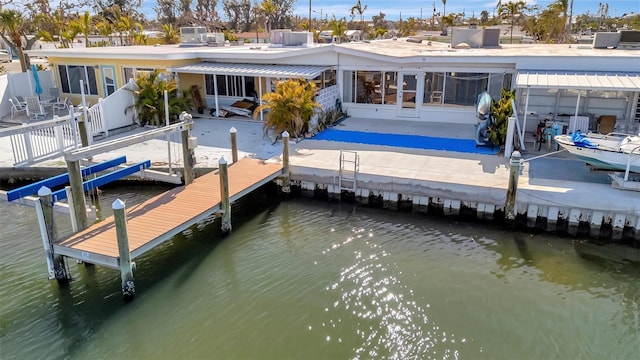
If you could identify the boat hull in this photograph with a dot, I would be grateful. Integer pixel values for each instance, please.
(606, 157)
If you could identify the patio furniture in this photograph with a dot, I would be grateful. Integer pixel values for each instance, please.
(35, 109)
(55, 93)
(61, 105)
(16, 107)
(436, 97)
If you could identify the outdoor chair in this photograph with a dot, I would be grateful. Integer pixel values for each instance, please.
(35, 109)
(61, 105)
(16, 107)
(20, 99)
(55, 93)
(436, 97)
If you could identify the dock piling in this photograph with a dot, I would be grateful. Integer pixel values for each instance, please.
(286, 175)
(189, 144)
(234, 144)
(79, 201)
(225, 204)
(514, 174)
(126, 270)
(55, 262)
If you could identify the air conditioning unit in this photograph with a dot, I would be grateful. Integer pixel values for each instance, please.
(191, 35)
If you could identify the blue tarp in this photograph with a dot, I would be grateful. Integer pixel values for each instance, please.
(580, 140)
(406, 141)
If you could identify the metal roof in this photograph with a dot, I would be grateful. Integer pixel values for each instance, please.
(258, 70)
(580, 81)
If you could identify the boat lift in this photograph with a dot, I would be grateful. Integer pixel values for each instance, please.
(628, 181)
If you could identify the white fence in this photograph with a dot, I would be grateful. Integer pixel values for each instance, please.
(43, 140)
(114, 112)
(21, 84)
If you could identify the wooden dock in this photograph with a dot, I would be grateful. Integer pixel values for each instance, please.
(163, 216)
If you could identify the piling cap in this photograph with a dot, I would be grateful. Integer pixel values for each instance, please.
(117, 205)
(285, 134)
(233, 130)
(44, 191)
(516, 154)
(222, 161)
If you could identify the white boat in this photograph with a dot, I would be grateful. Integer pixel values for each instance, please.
(607, 152)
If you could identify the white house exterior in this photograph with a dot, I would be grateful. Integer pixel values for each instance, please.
(401, 79)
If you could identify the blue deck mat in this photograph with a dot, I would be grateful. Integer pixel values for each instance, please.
(407, 141)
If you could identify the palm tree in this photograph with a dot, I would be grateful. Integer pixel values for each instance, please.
(85, 26)
(149, 99)
(290, 107)
(170, 35)
(562, 6)
(105, 28)
(338, 28)
(268, 8)
(357, 8)
(11, 22)
(510, 10)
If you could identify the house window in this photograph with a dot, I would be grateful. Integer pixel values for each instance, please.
(463, 88)
(132, 72)
(370, 87)
(70, 76)
(325, 80)
(231, 85)
(433, 87)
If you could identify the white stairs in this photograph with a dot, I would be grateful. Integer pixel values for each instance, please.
(349, 167)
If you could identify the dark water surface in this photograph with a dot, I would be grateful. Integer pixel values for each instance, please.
(311, 280)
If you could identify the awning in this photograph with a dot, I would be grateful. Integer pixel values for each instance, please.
(257, 70)
(579, 81)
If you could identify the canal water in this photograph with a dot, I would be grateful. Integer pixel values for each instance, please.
(303, 279)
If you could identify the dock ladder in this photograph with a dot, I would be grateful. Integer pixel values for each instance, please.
(349, 167)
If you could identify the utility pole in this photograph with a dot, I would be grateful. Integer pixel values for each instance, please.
(570, 19)
(433, 17)
(309, 15)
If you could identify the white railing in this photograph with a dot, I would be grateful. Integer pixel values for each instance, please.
(43, 140)
(96, 119)
(114, 112)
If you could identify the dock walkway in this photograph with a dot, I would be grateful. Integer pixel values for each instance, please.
(163, 216)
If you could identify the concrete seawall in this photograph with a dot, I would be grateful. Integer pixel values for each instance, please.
(472, 187)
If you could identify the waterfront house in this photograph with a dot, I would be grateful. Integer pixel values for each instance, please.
(394, 79)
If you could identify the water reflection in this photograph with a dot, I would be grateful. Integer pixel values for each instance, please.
(383, 312)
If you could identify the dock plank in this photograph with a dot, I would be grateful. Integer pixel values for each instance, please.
(153, 218)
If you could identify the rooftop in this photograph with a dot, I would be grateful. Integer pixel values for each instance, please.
(387, 48)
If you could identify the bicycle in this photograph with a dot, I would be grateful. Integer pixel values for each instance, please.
(545, 133)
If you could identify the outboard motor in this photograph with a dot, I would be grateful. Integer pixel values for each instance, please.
(483, 112)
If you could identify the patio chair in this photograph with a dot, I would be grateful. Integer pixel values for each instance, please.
(35, 109)
(55, 93)
(16, 107)
(436, 97)
(61, 105)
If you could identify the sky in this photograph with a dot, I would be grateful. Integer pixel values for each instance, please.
(393, 8)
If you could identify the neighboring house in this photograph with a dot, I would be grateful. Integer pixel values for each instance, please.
(386, 79)
(353, 35)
